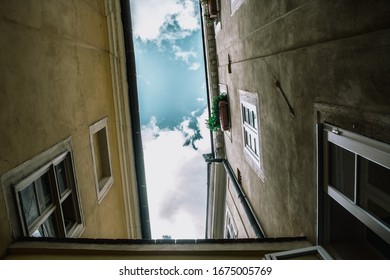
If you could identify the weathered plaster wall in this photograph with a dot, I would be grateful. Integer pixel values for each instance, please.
(243, 230)
(55, 81)
(331, 58)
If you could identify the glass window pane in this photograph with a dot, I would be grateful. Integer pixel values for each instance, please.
(43, 190)
(61, 177)
(102, 157)
(49, 227)
(38, 232)
(342, 170)
(29, 204)
(69, 213)
(351, 239)
(374, 189)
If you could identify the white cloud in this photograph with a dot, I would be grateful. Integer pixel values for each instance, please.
(194, 66)
(176, 179)
(154, 19)
(151, 131)
(187, 57)
(204, 146)
(187, 17)
(143, 79)
(184, 55)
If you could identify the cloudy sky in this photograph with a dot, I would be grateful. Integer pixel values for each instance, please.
(172, 96)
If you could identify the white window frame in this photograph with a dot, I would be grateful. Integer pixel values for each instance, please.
(235, 5)
(217, 16)
(58, 198)
(251, 130)
(25, 174)
(367, 148)
(301, 252)
(104, 183)
(231, 231)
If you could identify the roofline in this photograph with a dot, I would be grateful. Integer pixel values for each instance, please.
(135, 118)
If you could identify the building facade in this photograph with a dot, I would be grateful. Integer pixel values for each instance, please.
(306, 155)
(67, 165)
(305, 84)
(71, 179)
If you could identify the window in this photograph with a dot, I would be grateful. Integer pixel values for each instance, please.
(251, 130)
(249, 117)
(101, 157)
(356, 172)
(41, 196)
(230, 226)
(215, 13)
(47, 200)
(307, 253)
(213, 8)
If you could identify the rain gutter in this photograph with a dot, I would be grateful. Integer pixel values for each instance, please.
(135, 118)
(259, 233)
(206, 70)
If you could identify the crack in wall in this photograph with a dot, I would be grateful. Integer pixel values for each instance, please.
(5, 160)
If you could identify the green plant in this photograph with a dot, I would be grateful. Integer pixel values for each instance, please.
(213, 122)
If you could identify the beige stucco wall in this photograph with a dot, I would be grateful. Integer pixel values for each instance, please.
(55, 82)
(332, 66)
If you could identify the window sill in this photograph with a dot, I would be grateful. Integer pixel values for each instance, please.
(103, 186)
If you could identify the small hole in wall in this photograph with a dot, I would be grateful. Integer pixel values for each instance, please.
(229, 64)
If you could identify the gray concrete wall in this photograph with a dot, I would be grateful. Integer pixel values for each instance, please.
(331, 58)
(55, 82)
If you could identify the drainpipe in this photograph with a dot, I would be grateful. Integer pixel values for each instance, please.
(206, 70)
(241, 196)
(135, 118)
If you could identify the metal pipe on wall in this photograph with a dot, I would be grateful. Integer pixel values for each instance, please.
(135, 118)
(242, 198)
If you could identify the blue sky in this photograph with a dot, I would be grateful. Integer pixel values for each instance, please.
(173, 75)
(173, 102)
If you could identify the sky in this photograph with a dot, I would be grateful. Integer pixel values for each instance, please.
(173, 111)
